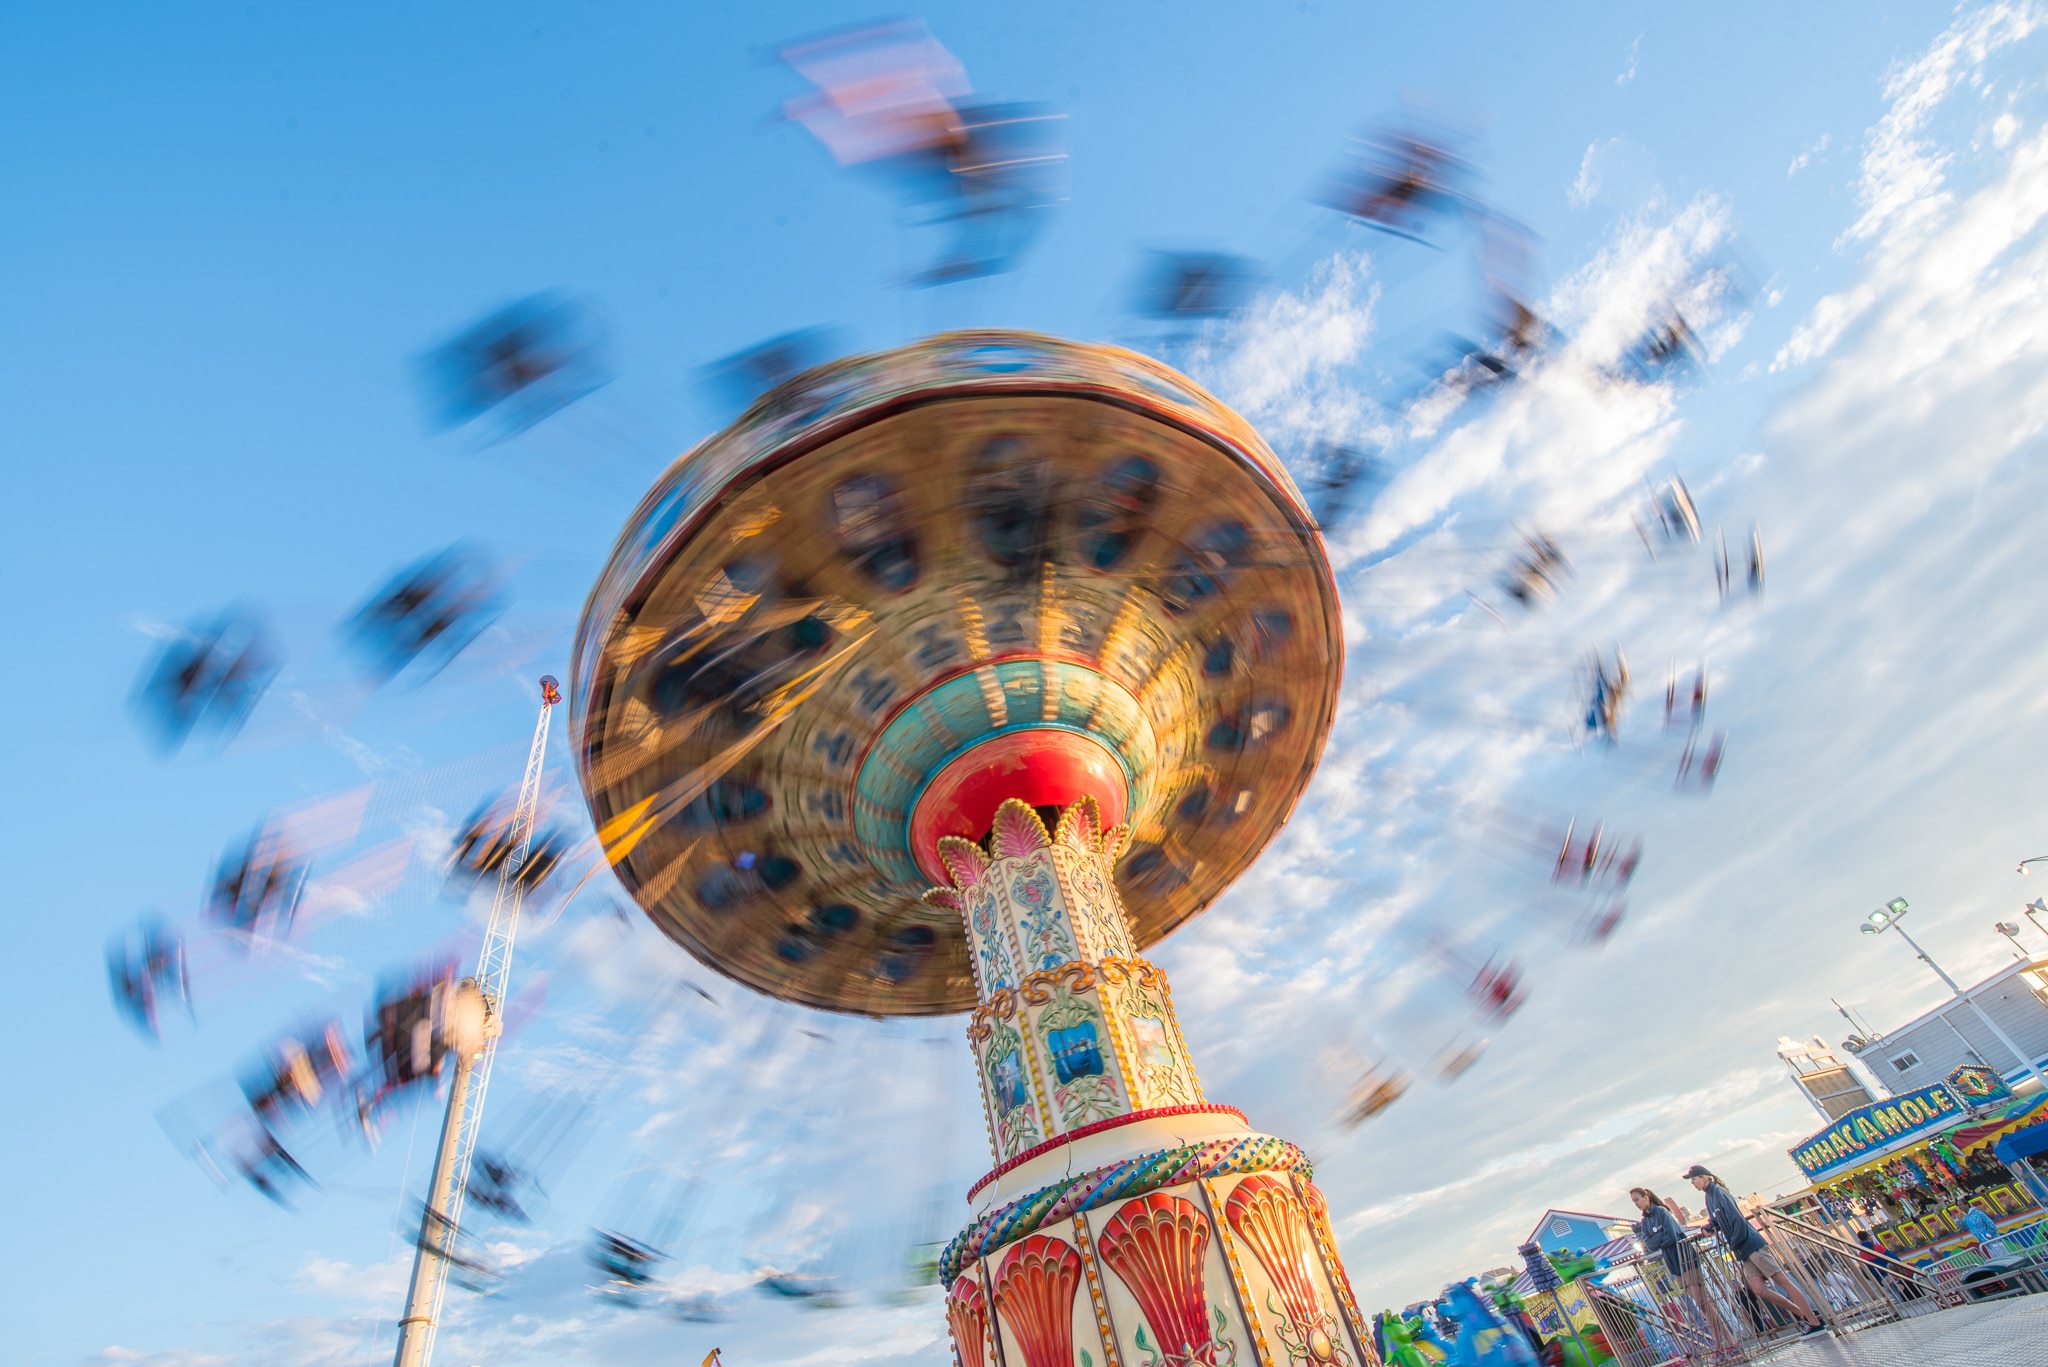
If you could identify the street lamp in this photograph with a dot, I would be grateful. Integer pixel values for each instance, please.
(2011, 931)
(1887, 917)
(2029, 910)
(2035, 860)
(1882, 919)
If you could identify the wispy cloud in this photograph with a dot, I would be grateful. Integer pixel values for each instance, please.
(1903, 187)
(1889, 660)
(1644, 1122)
(156, 630)
(1628, 69)
(373, 1284)
(116, 1356)
(1585, 187)
(1806, 156)
(1287, 364)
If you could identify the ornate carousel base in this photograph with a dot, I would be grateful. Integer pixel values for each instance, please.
(1215, 1252)
(1151, 1229)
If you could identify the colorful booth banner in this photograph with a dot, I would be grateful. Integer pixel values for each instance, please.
(1864, 1132)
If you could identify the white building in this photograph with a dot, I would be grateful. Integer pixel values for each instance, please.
(1929, 1047)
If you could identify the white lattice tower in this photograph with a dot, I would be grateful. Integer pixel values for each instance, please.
(441, 1221)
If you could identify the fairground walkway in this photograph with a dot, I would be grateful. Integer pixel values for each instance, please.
(2007, 1333)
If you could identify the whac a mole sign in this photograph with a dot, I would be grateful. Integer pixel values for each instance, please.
(1868, 1131)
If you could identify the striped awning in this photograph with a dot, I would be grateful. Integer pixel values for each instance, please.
(1995, 1127)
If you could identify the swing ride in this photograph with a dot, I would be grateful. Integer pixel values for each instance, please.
(906, 587)
(951, 678)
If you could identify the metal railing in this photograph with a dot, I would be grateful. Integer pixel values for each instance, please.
(1851, 1285)
(1647, 1334)
(2017, 1263)
(1710, 1313)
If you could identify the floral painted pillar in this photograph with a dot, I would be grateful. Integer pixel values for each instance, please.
(1128, 1221)
(1072, 1028)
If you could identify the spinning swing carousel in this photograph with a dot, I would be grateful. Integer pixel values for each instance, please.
(947, 680)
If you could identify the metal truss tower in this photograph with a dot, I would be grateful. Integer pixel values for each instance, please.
(478, 1018)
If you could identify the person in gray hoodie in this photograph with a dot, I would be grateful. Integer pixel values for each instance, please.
(1664, 1235)
(1759, 1268)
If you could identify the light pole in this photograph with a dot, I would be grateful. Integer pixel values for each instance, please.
(2011, 931)
(1887, 917)
(2037, 905)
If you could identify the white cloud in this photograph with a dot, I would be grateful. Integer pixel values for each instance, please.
(1902, 178)
(1628, 70)
(155, 630)
(1903, 186)
(1616, 171)
(1636, 1121)
(1806, 157)
(1569, 439)
(1955, 252)
(374, 1284)
(1285, 363)
(1585, 188)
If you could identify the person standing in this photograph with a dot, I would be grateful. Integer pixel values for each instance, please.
(1664, 1236)
(1760, 1269)
(1983, 1230)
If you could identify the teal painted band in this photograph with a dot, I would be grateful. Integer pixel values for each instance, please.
(930, 731)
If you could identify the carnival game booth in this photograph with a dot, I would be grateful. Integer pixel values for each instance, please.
(1909, 1168)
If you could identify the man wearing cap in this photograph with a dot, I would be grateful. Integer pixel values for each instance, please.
(1759, 1268)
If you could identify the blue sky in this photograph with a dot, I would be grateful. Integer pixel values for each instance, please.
(230, 230)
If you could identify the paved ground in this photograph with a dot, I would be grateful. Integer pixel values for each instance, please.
(2009, 1333)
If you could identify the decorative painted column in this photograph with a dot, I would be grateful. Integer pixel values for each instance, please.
(1127, 1221)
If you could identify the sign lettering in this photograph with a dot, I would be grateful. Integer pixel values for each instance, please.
(1851, 1139)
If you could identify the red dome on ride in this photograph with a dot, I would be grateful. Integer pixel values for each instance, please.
(1041, 766)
